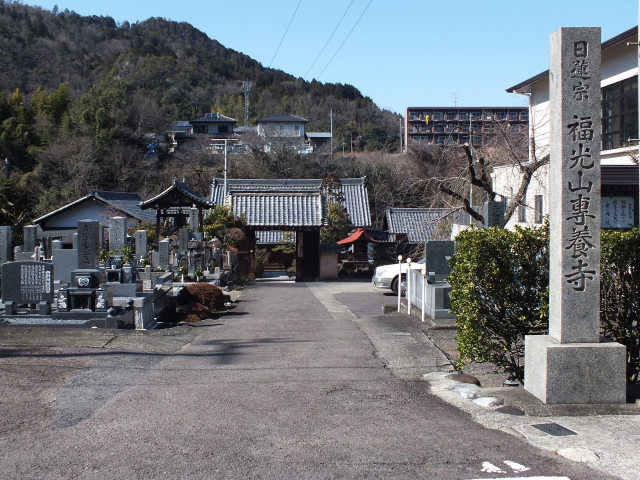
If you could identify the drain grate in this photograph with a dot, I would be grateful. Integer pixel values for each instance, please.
(554, 429)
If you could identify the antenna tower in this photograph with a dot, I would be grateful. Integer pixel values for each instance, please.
(246, 88)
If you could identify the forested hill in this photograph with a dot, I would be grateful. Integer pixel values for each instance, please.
(79, 94)
(180, 69)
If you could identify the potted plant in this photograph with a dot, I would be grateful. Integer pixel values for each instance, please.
(198, 274)
(127, 254)
(182, 271)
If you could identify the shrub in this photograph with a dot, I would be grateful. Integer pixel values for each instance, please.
(205, 294)
(499, 293)
(620, 293)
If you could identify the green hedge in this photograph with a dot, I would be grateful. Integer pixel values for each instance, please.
(499, 293)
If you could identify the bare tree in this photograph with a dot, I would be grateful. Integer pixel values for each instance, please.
(506, 148)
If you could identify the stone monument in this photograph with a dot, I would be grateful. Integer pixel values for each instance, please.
(163, 252)
(30, 238)
(5, 244)
(141, 244)
(117, 233)
(88, 243)
(570, 365)
(183, 240)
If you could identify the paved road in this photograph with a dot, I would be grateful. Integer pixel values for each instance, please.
(288, 386)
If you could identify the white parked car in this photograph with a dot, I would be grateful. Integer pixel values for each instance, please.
(388, 276)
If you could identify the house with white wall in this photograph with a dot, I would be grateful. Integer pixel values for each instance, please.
(619, 157)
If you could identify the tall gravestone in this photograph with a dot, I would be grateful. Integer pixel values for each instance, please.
(88, 243)
(183, 240)
(141, 243)
(570, 365)
(117, 233)
(5, 244)
(163, 252)
(30, 238)
(194, 220)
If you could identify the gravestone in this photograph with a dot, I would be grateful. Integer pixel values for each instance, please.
(27, 282)
(570, 365)
(141, 244)
(117, 233)
(438, 253)
(64, 262)
(163, 252)
(5, 244)
(88, 244)
(74, 241)
(494, 214)
(194, 220)
(183, 240)
(30, 240)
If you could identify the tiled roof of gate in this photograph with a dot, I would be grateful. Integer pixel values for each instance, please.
(419, 224)
(279, 210)
(273, 237)
(354, 190)
(178, 191)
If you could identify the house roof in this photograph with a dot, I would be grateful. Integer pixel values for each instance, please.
(279, 210)
(354, 191)
(281, 117)
(124, 202)
(214, 118)
(355, 236)
(419, 224)
(609, 43)
(177, 195)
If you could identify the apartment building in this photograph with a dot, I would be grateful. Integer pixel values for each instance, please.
(459, 125)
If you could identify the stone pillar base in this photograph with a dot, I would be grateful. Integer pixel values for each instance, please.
(579, 373)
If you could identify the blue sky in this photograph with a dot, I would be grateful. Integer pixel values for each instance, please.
(399, 53)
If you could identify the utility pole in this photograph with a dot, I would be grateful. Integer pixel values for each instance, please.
(225, 170)
(331, 119)
(246, 88)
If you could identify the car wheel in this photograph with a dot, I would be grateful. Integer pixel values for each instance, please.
(394, 285)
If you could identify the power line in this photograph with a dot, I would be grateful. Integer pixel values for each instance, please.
(285, 33)
(346, 38)
(329, 39)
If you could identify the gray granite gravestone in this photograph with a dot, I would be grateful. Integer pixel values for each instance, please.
(88, 244)
(141, 244)
(64, 262)
(183, 240)
(74, 241)
(163, 252)
(30, 240)
(117, 233)
(194, 220)
(570, 365)
(494, 214)
(5, 244)
(438, 253)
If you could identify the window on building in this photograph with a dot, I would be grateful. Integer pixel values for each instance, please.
(438, 116)
(539, 214)
(619, 113)
(464, 115)
(501, 115)
(522, 214)
(223, 128)
(199, 129)
(512, 116)
(524, 115)
(439, 128)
